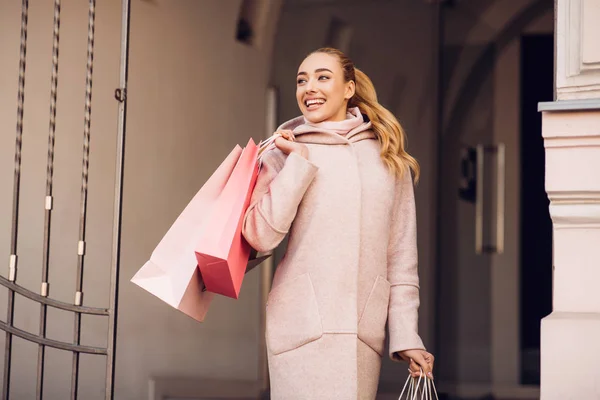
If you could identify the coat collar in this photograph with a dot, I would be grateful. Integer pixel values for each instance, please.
(324, 133)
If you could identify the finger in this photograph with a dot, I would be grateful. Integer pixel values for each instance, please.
(414, 374)
(420, 360)
(430, 359)
(413, 365)
(287, 134)
(414, 369)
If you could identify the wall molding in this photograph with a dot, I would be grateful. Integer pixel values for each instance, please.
(569, 105)
(575, 209)
(573, 216)
(574, 197)
(564, 142)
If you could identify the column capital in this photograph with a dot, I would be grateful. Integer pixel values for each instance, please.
(572, 141)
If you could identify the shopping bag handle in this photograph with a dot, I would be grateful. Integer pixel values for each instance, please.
(412, 391)
(266, 145)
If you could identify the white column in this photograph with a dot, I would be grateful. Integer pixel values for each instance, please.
(570, 343)
(577, 49)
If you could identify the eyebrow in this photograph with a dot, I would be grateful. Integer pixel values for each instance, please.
(316, 70)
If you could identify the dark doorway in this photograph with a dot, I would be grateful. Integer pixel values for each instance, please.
(537, 75)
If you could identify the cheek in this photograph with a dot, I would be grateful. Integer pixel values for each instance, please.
(299, 95)
(337, 92)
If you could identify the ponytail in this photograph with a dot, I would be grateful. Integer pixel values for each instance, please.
(390, 134)
(389, 131)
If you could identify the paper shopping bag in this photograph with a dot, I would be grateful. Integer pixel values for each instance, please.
(171, 274)
(222, 252)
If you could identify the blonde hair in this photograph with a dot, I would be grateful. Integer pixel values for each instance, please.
(390, 134)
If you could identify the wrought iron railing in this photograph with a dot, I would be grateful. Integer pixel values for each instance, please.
(43, 299)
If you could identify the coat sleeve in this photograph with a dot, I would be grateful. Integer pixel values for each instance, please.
(402, 272)
(279, 189)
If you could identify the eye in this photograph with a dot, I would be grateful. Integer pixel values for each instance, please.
(300, 81)
(323, 77)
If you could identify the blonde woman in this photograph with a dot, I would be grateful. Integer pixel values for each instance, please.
(340, 184)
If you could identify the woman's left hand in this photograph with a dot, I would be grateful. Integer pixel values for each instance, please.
(287, 143)
(420, 361)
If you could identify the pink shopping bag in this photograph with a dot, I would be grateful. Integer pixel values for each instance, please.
(222, 252)
(172, 274)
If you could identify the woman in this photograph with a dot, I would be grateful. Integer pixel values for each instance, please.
(340, 184)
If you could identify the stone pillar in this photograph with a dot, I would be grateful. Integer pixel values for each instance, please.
(570, 342)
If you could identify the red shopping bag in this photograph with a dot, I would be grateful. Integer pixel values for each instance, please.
(222, 252)
(171, 273)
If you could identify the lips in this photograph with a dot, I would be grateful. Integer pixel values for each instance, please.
(314, 104)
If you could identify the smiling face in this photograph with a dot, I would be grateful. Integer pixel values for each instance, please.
(322, 91)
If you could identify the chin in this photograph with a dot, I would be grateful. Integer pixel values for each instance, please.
(315, 118)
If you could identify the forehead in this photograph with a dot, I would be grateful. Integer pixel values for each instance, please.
(320, 60)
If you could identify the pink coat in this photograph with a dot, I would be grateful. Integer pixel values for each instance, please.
(350, 265)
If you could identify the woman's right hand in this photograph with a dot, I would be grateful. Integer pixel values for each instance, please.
(287, 144)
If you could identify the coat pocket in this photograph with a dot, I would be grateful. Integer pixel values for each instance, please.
(293, 318)
(371, 327)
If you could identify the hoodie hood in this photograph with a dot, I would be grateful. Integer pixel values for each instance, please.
(354, 128)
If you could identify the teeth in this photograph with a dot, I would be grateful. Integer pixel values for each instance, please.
(314, 101)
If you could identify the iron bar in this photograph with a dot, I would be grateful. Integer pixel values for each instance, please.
(15, 208)
(51, 343)
(49, 200)
(84, 192)
(117, 213)
(51, 302)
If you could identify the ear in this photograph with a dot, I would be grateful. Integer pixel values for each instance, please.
(350, 90)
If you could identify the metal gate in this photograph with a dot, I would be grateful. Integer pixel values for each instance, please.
(77, 307)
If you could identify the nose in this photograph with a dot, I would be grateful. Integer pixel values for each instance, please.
(310, 86)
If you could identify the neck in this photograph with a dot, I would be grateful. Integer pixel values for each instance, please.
(339, 116)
